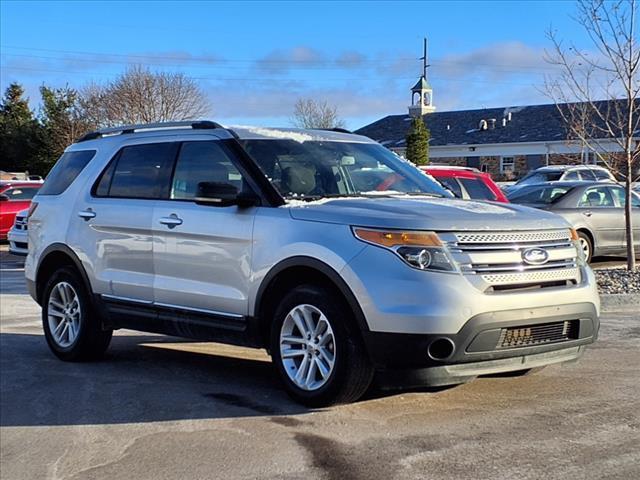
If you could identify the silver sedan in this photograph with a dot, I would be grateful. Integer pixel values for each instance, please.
(595, 210)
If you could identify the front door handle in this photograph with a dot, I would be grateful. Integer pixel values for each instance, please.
(87, 214)
(171, 221)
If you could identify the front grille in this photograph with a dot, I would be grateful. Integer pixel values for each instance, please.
(21, 223)
(495, 259)
(533, 335)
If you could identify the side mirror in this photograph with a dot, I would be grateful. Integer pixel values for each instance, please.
(3, 197)
(223, 195)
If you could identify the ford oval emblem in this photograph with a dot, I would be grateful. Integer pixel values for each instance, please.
(535, 256)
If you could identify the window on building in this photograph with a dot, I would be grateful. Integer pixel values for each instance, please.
(507, 164)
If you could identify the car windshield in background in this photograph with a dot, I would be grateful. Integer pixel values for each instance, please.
(316, 169)
(539, 195)
(540, 177)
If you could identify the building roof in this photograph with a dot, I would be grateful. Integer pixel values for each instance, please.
(532, 123)
(421, 84)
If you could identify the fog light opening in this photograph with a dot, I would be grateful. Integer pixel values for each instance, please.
(441, 349)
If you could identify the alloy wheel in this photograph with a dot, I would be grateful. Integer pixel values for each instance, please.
(63, 314)
(307, 347)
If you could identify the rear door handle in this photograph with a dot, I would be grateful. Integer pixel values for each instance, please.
(87, 214)
(587, 214)
(171, 221)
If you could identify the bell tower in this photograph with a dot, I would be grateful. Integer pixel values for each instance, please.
(422, 93)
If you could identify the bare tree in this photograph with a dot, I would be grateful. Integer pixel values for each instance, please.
(307, 113)
(142, 96)
(608, 127)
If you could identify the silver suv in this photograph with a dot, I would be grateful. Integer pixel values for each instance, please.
(325, 248)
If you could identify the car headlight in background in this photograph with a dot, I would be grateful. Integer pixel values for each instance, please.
(420, 250)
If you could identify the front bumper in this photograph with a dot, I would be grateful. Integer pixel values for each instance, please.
(465, 372)
(18, 242)
(479, 340)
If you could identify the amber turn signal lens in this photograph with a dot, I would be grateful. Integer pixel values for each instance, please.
(574, 234)
(392, 239)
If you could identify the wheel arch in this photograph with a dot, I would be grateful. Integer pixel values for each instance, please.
(53, 257)
(300, 270)
(591, 236)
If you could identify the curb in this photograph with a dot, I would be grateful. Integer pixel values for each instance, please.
(621, 302)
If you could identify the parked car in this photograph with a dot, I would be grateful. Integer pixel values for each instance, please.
(18, 236)
(14, 197)
(594, 209)
(562, 173)
(325, 248)
(465, 182)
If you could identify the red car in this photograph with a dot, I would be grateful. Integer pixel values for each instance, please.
(15, 196)
(466, 182)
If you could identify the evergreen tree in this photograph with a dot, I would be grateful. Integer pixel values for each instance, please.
(19, 132)
(418, 142)
(62, 122)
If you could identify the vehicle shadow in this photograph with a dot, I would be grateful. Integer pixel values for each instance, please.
(146, 378)
(139, 381)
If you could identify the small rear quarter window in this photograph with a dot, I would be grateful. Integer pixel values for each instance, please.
(65, 171)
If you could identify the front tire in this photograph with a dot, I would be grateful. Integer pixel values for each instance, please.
(72, 328)
(587, 246)
(317, 350)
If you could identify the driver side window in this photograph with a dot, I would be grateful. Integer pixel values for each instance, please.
(597, 197)
(202, 162)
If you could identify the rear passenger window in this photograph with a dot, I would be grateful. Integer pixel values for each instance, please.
(477, 189)
(587, 175)
(601, 175)
(570, 176)
(202, 162)
(138, 171)
(65, 171)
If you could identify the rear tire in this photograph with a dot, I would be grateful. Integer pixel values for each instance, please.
(71, 326)
(317, 349)
(587, 245)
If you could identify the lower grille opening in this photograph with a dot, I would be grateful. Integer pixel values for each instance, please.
(528, 336)
(22, 245)
(529, 286)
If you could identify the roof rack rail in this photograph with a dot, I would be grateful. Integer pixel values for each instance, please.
(337, 129)
(125, 129)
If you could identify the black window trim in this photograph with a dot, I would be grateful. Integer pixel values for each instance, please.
(238, 156)
(41, 188)
(115, 159)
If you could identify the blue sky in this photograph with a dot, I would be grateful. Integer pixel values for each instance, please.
(255, 59)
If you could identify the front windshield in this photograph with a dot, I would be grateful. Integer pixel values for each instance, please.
(540, 177)
(316, 169)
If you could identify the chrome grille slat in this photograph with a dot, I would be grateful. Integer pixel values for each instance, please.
(519, 267)
(495, 258)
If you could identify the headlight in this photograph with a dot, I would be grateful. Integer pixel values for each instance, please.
(420, 250)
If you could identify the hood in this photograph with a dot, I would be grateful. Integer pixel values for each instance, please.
(424, 213)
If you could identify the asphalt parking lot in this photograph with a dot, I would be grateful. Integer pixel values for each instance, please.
(161, 408)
